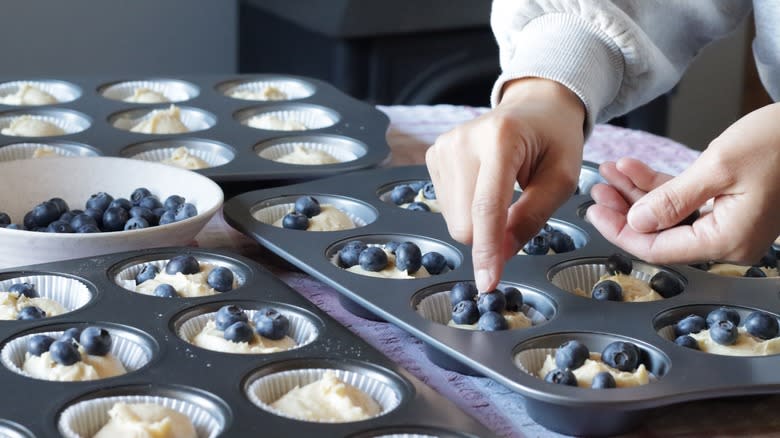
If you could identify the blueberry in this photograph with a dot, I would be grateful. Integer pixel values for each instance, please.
(465, 312)
(723, 314)
(418, 206)
(761, 325)
(463, 291)
(186, 264)
(88, 228)
(221, 279)
(61, 205)
(229, 315)
(603, 380)
(168, 217)
(158, 212)
(621, 355)
(429, 192)
(493, 301)
(64, 352)
(392, 246)
(186, 211)
(239, 332)
(96, 341)
(138, 194)
(96, 215)
(271, 324)
(308, 206)
(39, 344)
(547, 229)
(71, 334)
(99, 201)
(145, 213)
(77, 212)
(408, 258)
(165, 291)
(115, 218)
(82, 219)
(619, 264)
(136, 223)
(349, 255)
(30, 313)
(45, 213)
(768, 260)
(402, 194)
(434, 263)
(687, 341)
(492, 321)
(151, 202)
(121, 203)
(561, 377)
(724, 332)
(29, 221)
(5, 220)
(59, 226)
(666, 284)
(418, 185)
(67, 216)
(690, 324)
(173, 202)
(295, 221)
(561, 242)
(538, 245)
(571, 355)
(26, 289)
(12, 227)
(755, 272)
(373, 259)
(690, 219)
(513, 298)
(607, 290)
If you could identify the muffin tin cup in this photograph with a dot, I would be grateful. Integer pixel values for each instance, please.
(438, 308)
(213, 153)
(293, 89)
(23, 151)
(311, 116)
(72, 122)
(10, 429)
(343, 150)
(124, 276)
(173, 90)
(273, 210)
(84, 419)
(195, 119)
(71, 293)
(63, 91)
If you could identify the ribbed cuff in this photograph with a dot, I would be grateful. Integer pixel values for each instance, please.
(769, 73)
(569, 50)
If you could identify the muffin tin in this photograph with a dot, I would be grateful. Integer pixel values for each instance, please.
(98, 122)
(214, 385)
(680, 374)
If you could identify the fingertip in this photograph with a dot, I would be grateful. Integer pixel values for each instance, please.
(484, 280)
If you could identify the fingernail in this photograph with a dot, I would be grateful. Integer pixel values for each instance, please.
(483, 280)
(642, 219)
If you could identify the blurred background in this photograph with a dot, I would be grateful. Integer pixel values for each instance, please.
(402, 52)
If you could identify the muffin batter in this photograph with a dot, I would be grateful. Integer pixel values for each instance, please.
(146, 420)
(729, 270)
(307, 156)
(329, 219)
(90, 367)
(593, 366)
(28, 94)
(11, 303)
(433, 204)
(162, 122)
(45, 153)
(515, 320)
(211, 338)
(390, 270)
(28, 126)
(273, 123)
(186, 285)
(328, 400)
(746, 345)
(268, 93)
(634, 289)
(182, 158)
(145, 95)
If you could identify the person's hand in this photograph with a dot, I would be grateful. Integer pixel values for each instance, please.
(535, 137)
(638, 211)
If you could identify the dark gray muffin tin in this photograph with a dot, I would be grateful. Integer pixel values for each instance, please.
(215, 381)
(683, 374)
(359, 125)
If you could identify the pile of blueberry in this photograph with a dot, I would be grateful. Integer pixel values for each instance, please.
(405, 194)
(723, 325)
(485, 310)
(306, 207)
(549, 238)
(234, 323)
(662, 282)
(104, 213)
(220, 278)
(769, 260)
(408, 257)
(28, 313)
(623, 356)
(64, 350)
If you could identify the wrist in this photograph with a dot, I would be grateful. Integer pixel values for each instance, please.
(520, 91)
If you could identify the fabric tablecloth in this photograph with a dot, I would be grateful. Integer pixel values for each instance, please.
(412, 129)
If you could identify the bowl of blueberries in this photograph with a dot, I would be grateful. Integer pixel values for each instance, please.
(63, 208)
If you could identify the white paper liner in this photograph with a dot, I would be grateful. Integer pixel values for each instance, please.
(132, 355)
(84, 419)
(68, 124)
(337, 151)
(301, 329)
(437, 307)
(667, 332)
(158, 155)
(69, 292)
(311, 118)
(24, 151)
(267, 389)
(61, 91)
(126, 277)
(293, 89)
(174, 91)
(588, 178)
(193, 120)
(532, 360)
(585, 276)
(269, 215)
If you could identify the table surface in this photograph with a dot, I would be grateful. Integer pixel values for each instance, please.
(412, 130)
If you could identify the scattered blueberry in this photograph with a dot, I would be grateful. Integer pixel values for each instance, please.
(493, 301)
(465, 312)
(29, 221)
(5, 220)
(492, 321)
(295, 221)
(64, 352)
(603, 380)
(221, 279)
(67, 216)
(768, 260)
(687, 341)
(99, 201)
(136, 223)
(755, 272)
(434, 263)
(571, 355)
(45, 213)
(168, 217)
(666, 284)
(151, 202)
(239, 331)
(391, 247)
(308, 206)
(619, 264)
(138, 194)
(418, 206)
(39, 344)
(271, 324)
(513, 298)
(186, 211)
(30, 313)
(165, 291)
(373, 259)
(70, 335)
(607, 290)
(761, 325)
(114, 219)
(59, 226)
(463, 291)
(12, 227)
(418, 185)
(621, 355)
(539, 245)
(561, 242)
(144, 213)
(690, 324)
(408, 258)
(96, 215)
(349, 255)
(723, 314)
(121, 203)
(724, 332)
(402, 194)
(173, 202)
(26, 289)
(82, 219)
(96, 341)
(561, 377)
(61, 205)
(429, 192)
(88, 228)
(186, 264)
(229, 315)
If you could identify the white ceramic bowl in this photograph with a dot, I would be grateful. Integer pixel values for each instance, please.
(26, 183)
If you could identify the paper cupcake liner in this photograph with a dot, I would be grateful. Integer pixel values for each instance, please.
(301, 329)
(69, 292)
(267, 389)
(24, 151)
(68, 122)
(194, 120)
(532, 360)
(309, 117)
(62, 91)
(589, 177)
(10, 429)
(84, 419)
(269, 215)
(667, 332)
(132, 354)
(158, 155)
(126, 277)
(337, 151)
(437, 307)
(293, 89)
(585, 276)
(174, 91)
